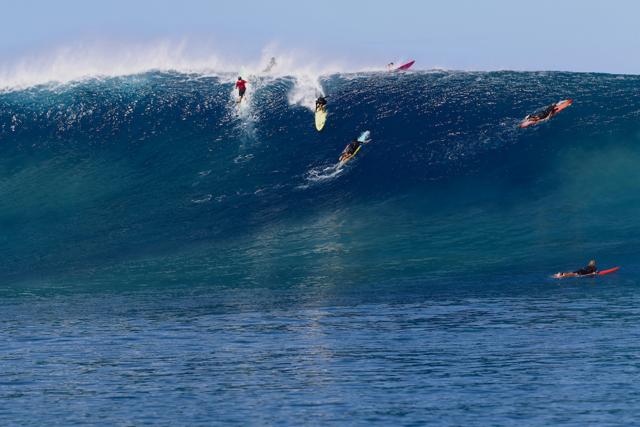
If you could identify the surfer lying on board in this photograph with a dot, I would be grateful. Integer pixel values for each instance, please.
(321, 103)
(586, 271)
(351, 149)
(390, 66)
(544, 114)
(241, 85)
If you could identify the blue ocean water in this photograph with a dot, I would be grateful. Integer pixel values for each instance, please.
(169, 259)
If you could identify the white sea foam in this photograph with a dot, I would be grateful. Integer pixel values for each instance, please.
(80, 62)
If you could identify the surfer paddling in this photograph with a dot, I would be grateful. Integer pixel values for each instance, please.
(546, 113)
(589, 270)
(350, 150)
(353, 147)
(241, 85)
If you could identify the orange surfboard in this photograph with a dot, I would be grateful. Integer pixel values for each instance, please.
(559, 106)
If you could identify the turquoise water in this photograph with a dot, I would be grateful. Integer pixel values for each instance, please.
(168, 261)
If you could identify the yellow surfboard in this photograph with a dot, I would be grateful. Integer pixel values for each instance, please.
(321, 118)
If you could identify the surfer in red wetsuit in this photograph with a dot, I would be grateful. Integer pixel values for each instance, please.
(241, 85)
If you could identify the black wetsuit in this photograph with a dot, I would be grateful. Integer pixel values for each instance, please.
(320, 103)
(351, 148)
(586, 271)
(272, 63)
(547, 112)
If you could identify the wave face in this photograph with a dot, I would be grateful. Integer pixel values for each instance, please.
(159, 178)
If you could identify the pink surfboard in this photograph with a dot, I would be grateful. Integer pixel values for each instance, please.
(405, 67)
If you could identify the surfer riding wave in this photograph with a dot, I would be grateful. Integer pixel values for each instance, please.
(241, 85)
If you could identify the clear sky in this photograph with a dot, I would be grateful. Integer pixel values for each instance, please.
(579, 35)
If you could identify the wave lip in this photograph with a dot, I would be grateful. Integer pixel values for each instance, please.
(77, 63)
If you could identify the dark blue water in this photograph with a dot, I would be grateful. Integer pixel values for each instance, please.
(169, 260)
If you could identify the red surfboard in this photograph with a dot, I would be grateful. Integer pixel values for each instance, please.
(560, 105)
(405, 67)
(611, 270)
(597, 273)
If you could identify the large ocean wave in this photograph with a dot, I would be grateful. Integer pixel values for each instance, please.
(158, 176)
